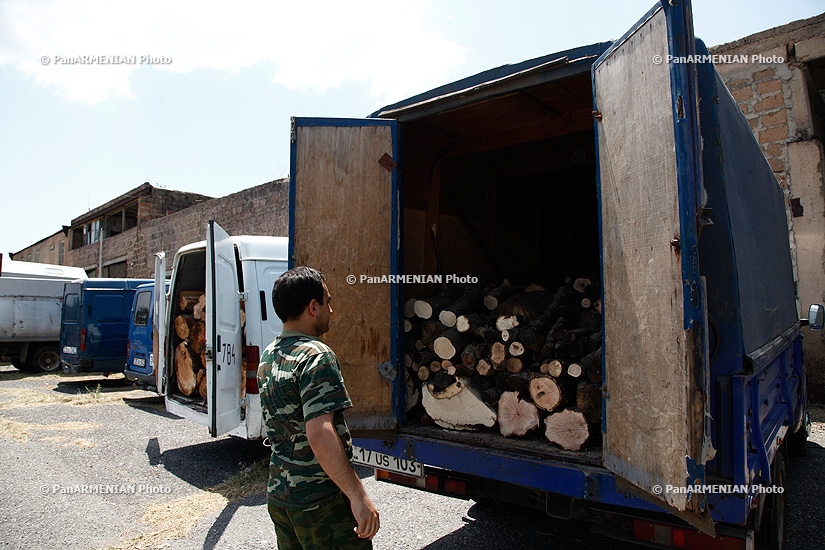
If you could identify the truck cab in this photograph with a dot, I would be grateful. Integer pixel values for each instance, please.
(212, 326)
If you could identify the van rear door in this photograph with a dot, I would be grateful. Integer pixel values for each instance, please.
(650, 191)
(160, 323)
(343, 220)
(223, 332)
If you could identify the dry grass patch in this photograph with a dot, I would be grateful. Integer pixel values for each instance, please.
(24, 397)
(175, 519)
(19, 431)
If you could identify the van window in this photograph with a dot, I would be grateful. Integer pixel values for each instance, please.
(142, 309)
(107, 308)
(70, 308)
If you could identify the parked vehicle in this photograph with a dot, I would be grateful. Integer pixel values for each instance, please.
(95, 324)
(31, 295)
(627, 159)
(140, 362)
(209, 374)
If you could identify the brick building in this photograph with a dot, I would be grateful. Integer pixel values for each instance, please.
(781, 91)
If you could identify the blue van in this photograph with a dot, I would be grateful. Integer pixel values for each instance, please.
(140, 363)
(94, 326)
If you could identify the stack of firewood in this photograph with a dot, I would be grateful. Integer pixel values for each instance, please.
(190, 352)
(510, 355)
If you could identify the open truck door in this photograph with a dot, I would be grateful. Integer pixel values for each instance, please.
(223, 332)
(159, 324)
(650, 193)
(344, 221)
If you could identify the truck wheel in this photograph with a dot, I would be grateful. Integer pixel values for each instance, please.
(45, 359)
(798, 440)
(771, 534)
(18, 364)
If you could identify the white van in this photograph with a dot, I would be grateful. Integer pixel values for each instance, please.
(235, 276)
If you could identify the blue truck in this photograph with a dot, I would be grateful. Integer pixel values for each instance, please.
(140, 364)
(629, 159)
(94, 324)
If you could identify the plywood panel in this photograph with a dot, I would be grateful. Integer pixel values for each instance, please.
(646, 360)
(343, 226)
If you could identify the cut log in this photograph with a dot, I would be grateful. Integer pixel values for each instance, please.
(513, 364)
(581, 284)
(516, 349)
(429, 307)
(464, 410)
(529, 306)
(574, 370)
(423, 373)
(482, 350)
(469, 323)
(468, 302)
(592, 365)
(451, 343)
(409, 308)
(500, 294)
(589, 401)
(185, 369)
(507, 322)
(183, 324)
(510, 335)
(197, 337)
(468, 356)
(554, 368)
(568, 429)
(515, 415)
(435, 365)
(200, 378)
(188, 299)
(484, 367)
(200, 307)
(498, 353)
(430, 330)
(546, 393)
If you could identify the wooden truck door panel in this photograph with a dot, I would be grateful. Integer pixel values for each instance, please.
(223, 332)
(159, 323)
(344, 222)
(654, 355)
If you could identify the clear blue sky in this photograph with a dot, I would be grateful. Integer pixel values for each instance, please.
(214, 118)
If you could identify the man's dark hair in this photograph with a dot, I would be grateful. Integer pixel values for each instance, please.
(295, 289)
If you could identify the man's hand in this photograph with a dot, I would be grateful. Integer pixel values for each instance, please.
(329, 450)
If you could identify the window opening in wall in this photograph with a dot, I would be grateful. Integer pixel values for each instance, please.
(116, 270)
(816, 94)
(61, 252)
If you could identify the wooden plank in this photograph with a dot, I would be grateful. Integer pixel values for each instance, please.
(646, 361)
(343, 226)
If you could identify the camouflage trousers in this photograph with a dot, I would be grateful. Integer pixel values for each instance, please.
(327, 527)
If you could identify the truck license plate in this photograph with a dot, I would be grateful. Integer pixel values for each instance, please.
(387, 462)
(70, 350)
(139, 362)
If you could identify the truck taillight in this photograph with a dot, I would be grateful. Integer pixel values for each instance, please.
(680, 537)
(83, 339)
(253, 358)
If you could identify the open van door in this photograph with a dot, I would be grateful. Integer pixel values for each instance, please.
(223, 332)
(344, 221)
(650, 191)
(159, 324)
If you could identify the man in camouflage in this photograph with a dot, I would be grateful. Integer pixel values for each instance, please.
(314, 497)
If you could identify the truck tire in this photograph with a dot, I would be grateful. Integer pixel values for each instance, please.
(18, 364)
(771, 535)
(45, 359)
(798, 440)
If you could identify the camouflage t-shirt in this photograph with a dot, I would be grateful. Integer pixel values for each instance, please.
(300, 379)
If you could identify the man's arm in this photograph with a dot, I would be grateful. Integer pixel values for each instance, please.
(329, 450)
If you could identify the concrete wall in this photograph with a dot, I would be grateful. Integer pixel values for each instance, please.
(47, 251)
(774, 92)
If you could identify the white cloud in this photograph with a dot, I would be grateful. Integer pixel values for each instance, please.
(315, 45)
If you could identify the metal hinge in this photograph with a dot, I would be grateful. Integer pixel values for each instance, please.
(243, 296)
(387, 370)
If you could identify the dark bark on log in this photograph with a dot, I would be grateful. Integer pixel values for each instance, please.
(482, 350)
(529, 306)
(197, 337)
(432, 306)
(589, 319)
(592, 365)
(518, 381)
(469, 302)
(589, 401)
(468, 356)
(430, 330)
(491, 395)
(440, 382)
(513, 364)
(200, 378)
(500, 294)
(488, 334)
